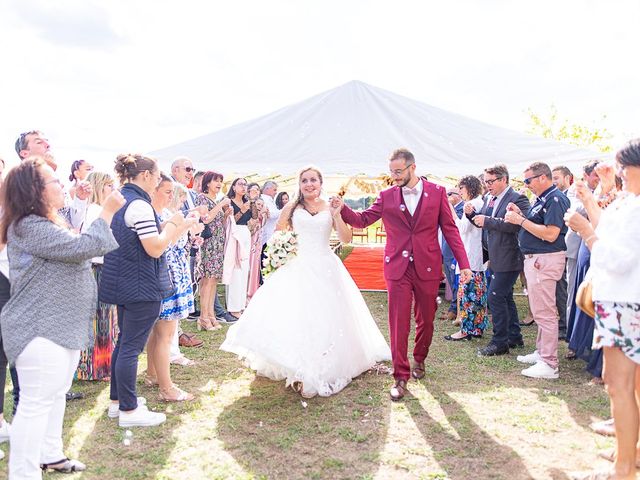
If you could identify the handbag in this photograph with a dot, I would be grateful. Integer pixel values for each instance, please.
(206, 232)
(584, 297)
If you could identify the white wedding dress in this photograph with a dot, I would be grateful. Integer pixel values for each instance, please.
(309, 322)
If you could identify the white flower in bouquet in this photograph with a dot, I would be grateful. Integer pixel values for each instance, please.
(281, 247)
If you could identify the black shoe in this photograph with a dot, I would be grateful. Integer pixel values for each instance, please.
(517, 344)
(454, 339)
(74, 396)
(227, 318)
(527, 324)
(492, 350)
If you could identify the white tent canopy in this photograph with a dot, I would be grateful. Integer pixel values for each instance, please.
(353, 129)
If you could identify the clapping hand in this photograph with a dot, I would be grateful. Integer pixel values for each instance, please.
(83, 190)
(469, 208)
(512, 207)
(578, 223)
(583, 192)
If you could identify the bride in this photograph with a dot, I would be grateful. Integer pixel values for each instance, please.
(308, 324)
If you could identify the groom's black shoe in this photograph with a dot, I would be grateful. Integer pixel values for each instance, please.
(398, 391)
(417, 371)
(492, 350)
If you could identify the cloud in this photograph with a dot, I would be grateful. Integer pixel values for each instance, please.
(72, 23)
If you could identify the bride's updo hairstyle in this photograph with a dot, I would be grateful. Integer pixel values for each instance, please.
(130, 165)
(299, 198)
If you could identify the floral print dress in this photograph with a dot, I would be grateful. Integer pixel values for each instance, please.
(210, 261)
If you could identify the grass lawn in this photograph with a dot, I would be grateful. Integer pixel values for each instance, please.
(470, 418)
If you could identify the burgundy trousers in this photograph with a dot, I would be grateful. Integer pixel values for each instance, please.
(404, 293)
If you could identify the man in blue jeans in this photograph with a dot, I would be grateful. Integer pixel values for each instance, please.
(505, 259)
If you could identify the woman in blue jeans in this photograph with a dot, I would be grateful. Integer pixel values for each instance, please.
(135, 277)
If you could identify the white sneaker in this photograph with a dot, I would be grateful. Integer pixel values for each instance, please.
(114, 408)
(141, 417)
(540, 370)
(5, 429)
(531, 358)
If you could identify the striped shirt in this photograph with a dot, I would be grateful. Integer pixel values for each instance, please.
(141, 218)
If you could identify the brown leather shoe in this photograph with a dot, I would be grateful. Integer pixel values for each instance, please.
(189, 340)
(398, 391)
(417, 371)
(451, 316)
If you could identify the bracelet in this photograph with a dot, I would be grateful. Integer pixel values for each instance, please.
(523, 220)
(586, 240)
(172, 223)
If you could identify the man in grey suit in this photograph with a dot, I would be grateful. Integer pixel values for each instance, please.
(505, 259)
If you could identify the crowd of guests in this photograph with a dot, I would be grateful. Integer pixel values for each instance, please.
(563, 235)
(133, 254)
(136, 253)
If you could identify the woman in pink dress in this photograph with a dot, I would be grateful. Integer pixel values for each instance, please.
(255, 227)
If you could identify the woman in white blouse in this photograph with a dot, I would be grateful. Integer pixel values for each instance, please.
(612, 236)
(472, 297)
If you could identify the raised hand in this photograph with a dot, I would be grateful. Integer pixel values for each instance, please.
(335, 205)
(84, 190)
(114, 202)
(583, 192)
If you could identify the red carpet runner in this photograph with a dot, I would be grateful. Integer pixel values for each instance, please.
(365, 266)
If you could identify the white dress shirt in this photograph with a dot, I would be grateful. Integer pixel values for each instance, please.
(411, 200)
(472, 238)
(272, 219)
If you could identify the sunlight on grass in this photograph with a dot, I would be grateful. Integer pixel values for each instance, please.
(85, 424)
(198, 429)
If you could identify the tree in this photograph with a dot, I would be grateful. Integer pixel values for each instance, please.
(561, 129)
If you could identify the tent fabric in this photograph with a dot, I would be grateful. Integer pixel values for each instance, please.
(354, 128)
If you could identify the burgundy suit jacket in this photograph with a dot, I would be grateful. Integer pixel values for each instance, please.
(413, 236)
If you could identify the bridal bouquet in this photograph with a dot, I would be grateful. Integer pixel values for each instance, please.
(281, 247)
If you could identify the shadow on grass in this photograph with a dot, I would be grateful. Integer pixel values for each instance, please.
(275, 433)
(463, 449)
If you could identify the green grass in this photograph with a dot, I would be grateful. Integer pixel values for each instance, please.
(470, 418)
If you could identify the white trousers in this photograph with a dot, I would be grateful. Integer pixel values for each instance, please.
(45, 371)
(237, 288)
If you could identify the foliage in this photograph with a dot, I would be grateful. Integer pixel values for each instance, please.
(561, 129)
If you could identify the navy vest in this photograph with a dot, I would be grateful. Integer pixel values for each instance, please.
(129, 274)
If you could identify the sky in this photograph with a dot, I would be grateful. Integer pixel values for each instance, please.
(101, 78)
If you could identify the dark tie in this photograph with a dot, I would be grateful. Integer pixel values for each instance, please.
(492, 202)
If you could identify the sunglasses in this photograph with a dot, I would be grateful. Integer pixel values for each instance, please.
(189, 169)
(527, 181)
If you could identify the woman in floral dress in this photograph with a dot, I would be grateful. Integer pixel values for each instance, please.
(210, 264)
(472, 296)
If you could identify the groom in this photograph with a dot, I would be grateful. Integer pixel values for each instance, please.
(412, 211)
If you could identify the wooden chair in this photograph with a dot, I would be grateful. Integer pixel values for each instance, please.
(361, 233)
(381, 233)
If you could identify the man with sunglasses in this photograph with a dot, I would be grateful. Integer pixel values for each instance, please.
(542, 243)
(412, 211)
(500, 240)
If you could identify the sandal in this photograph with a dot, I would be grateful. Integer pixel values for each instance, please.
(64, 466)
(605, 427)
(610, 455)
(183, 361)
(150, 381)
(181, 396)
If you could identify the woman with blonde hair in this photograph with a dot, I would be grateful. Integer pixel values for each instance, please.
(308, 323)
(95, 360)
(173, 308)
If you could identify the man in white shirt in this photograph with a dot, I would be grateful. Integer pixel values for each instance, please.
(182, 171)
(269, 191)
(34, 144)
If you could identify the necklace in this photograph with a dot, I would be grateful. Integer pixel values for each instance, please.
(312, 212)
